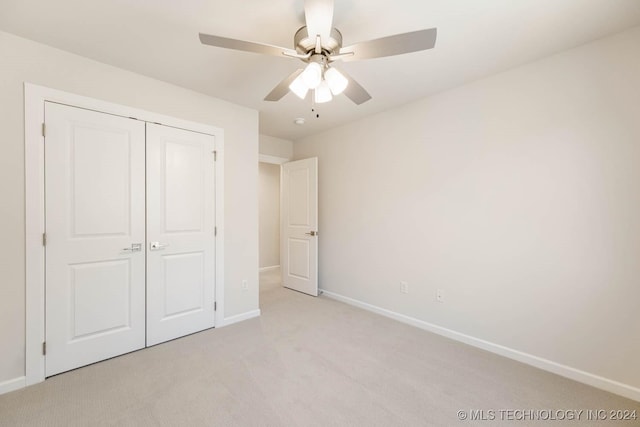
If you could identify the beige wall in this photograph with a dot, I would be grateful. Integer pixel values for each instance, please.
(516, 194)
(269, 205)
(26, 61)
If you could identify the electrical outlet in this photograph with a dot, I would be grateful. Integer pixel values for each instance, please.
(440, 295)
(404, 287)
(245, 285)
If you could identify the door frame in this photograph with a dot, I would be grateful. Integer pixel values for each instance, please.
(34, 101)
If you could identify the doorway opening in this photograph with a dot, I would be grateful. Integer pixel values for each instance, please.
(269, 225)
(288, 225)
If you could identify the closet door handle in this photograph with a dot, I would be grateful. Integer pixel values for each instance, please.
(135, 247)
(156, 246)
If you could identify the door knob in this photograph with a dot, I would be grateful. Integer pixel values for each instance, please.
(135, 247)
(154, 246)
(312, 233)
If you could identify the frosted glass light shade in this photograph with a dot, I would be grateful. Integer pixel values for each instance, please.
(299, 87)
(312, 75)
(322, 93)
(336, 81)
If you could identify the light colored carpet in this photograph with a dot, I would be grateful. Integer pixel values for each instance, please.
(305, 362)
(269, 280)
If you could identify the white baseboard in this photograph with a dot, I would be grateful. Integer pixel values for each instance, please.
(240, 317)
(584, 377)
(273, 267)
(14, 384)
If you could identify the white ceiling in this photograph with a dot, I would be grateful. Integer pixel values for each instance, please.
(159, 38)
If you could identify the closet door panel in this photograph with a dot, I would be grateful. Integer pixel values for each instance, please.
(95, 228)
(180, 232)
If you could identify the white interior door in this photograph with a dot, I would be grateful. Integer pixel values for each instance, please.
(95, 234)
(180, 232)
(299, 230)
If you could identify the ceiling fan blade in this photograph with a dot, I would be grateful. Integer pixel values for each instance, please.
(319, 17)
(283, 87)
(392, 45)
(245, 46)
(354, 91)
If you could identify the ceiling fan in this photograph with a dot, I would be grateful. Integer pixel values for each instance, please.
(318, 45)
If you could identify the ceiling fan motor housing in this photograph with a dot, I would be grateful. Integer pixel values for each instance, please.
(304, 43)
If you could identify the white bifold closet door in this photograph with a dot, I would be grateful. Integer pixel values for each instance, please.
(130, 235)
(180, 232)
(95, 225)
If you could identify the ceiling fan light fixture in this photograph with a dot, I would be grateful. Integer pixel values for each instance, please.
(318, 44)
(336, 81)
(299, 87)
(312, 75)
(322, 93)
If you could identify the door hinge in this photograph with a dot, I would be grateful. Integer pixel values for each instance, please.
(44, 129)
(44, 348)
(215, 306)
(215, 156)
(44, 239)
(215, 231)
